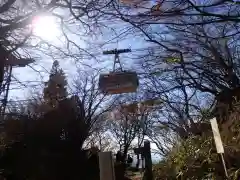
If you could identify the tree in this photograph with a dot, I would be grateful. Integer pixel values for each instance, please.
(124, 130)
(55, 88)
(128, 123)
(101, 139)
(48, 146)
(100, 136)
(163, 137)
(201, 39)
(51, 143)
(145, 117)
(194, 42)
(92, 102)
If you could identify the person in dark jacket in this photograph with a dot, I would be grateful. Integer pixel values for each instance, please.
(119, 157)
(129, 159)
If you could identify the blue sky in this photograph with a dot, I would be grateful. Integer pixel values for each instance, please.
(32, 76)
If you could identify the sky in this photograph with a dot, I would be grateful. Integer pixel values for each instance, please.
(31, 77)
(48, 28)
(28, 80)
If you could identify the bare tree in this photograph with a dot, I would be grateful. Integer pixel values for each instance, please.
(194, 42)
(100, 136)
(102, 140)
(92, 102)
(124, 126)
(210, 63)
(163, 137)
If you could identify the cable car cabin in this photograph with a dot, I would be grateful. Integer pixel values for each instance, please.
(130, 108)
(21, 62)
(118, 82)
(152, 103)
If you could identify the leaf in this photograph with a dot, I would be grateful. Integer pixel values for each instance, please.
(172, 60)
(236, 174)
(156, 7)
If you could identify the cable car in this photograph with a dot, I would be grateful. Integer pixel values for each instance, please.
(118, 82)
(140, 107)
(130, 108)
(151, 102)
(22, 62)
(9, 59)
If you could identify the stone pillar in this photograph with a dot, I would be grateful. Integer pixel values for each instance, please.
(106, 166)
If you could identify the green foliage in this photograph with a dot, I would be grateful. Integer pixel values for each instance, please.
(56, 87)
(190, 159)
(193, 159)
(173, 60)
(196, 159)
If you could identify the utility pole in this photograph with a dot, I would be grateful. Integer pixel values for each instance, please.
(148, 175)
(7, 61)
(116, 52)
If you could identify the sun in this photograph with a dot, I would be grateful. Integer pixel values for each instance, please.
(46, 27)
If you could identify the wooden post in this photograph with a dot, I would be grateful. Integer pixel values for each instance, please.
(148, 175)
(106, 166)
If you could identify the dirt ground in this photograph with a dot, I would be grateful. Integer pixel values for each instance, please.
(134, 175)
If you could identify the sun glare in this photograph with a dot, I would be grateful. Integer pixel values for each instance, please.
(46, 27)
